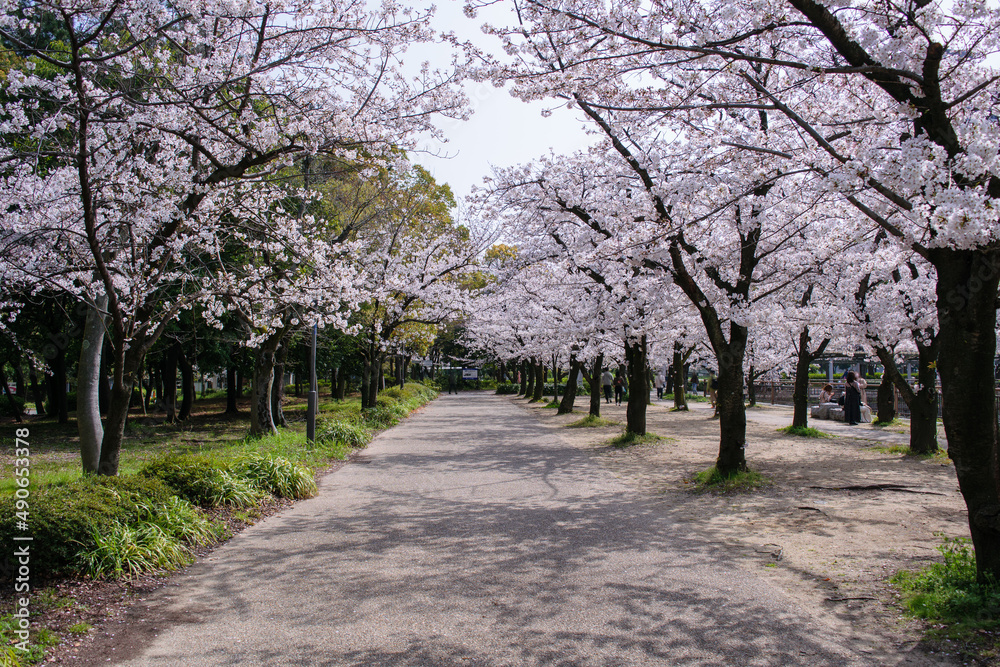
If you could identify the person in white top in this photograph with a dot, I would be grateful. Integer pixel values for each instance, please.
(606, 381)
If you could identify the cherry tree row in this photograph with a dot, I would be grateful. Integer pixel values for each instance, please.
(831, 170)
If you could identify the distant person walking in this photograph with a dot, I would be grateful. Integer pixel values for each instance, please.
(452, 383)
(852, 399)
(619, 389)
(606, 382)
(658, 383)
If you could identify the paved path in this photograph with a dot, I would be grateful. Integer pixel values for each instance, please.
(472, 535)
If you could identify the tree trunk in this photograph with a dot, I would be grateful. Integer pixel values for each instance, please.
(20, 388)
(966, 300)
(638, 395)
(885, 400)
(169, 379)
(187, 384)
(594, 379)
(334, 371)
(14, 405)
(731, 408)
(680, 379)
(800, 393)
(923, 403)
(261, 420)
(103, 386)
(341, 384)
(278, 387)
(88, 383)
(231, 392)
(528, 378)
(539, 392)
(805, 357)
(57, 385)
(37, 388)
(569, 398)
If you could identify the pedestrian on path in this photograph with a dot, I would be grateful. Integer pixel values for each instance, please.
(606, 382)
(619, 389)
(452, 383)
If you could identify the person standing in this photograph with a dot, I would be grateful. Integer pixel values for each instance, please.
(852, 399)
(606, 382)
(452, 383)
(658, 383)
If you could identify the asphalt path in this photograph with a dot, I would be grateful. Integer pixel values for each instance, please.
(470, 534)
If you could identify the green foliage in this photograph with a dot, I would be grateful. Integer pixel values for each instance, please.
(552, 404)
(6, 409)
(63, 518)
(506, 388)
(351, 434)
(949, 592)
(277, 476)
(891, 422)
(804, 432)
(581, 389)
(183, 521)
(740, 481)
(39, 640)
(201, 481)
(131, 549)
(590, 421)
(629, 439)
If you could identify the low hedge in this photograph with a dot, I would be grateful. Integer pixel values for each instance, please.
(64, 519)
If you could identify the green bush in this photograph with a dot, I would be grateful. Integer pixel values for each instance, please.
(353, 435)
(199, 480)
(6, 409)
(131, 549)
(277, 476)
(64, 519)
(508, 388)
(581, 389)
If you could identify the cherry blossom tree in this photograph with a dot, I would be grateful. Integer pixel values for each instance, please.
(892, 104)
(137, 138)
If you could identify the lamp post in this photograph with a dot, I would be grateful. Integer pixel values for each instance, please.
(313, 392)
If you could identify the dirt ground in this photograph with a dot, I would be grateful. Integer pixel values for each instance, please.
(825, 544)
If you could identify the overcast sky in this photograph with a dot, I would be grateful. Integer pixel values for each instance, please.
(503, 131)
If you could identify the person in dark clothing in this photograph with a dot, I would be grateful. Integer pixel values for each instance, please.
(852, 399)
(619, 390)
(452, 383)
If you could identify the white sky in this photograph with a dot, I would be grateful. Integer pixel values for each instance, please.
(503, 131)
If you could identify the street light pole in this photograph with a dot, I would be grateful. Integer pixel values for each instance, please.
(313, 392)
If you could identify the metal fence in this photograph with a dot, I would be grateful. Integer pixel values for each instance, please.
(780, 393)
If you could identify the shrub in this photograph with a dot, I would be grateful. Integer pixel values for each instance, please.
(200, 481)
(6, 409)
(183, 521)
(131, 549)
(64, 519)
(276, 475)
(508, 388)
(344, 433)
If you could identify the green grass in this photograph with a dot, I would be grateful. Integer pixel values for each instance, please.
(590, 421)
(690, 398)
(806, 432)
(39, 640)
(552, 404)
(948, 596)
(891, 422)
(712, 480)
(80, 628)
(939, 455)
(629, 439)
